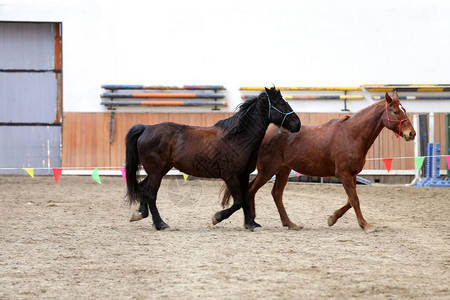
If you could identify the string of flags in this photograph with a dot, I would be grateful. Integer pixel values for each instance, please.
(95, 174)
(418, 160)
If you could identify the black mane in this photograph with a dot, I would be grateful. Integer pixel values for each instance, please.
(240, 119)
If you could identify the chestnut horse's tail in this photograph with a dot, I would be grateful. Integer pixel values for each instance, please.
(132, 162)
(226, 195)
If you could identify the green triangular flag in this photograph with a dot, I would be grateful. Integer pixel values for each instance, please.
(419, 161)
(95, 176)
(185, 176)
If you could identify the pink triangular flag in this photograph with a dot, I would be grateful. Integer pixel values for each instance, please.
(57, 173)
(124, 173)
(388, 163)
(447, 157)
(298, 174)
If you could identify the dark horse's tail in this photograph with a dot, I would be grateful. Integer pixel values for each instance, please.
(226, 195)
(132, 162)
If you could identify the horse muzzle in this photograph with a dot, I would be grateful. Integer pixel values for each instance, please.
(294, 125)
(409, 135)
(297, 127)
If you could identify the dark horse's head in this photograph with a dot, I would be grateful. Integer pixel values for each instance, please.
(280, 112)
(396, 118)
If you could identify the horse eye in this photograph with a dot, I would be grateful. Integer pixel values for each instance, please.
(396, 112)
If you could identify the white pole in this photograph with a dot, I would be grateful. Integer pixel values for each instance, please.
(416, 147)
(431, 128)
(431, 138)
(416, 142)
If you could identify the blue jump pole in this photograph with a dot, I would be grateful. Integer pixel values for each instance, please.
(437, 159)
(429, 167)
(430, 160)
(433, 179)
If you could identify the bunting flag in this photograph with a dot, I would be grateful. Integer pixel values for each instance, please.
(419, 161)
(57, 173)
(95, 175)
(388, 163)
(30, 171)
(124, 173)
(185, 176)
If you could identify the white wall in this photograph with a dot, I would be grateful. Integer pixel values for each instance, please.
(246, 43)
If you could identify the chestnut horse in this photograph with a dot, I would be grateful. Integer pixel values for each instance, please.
(227, 150)
(336, 148)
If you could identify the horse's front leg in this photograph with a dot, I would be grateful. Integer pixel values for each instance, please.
(239, 190)
(261, 179)
(277, 194)
(338, 214)
(249, 220)
(349, 183)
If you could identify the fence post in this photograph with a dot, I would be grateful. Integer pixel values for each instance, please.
(431, 128)
(447, 138)
(416, 145)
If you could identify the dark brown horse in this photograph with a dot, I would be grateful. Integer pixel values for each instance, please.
(227, 150)
(336, 148)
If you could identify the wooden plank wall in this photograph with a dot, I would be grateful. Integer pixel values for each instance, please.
(86, 137)
(85, 140)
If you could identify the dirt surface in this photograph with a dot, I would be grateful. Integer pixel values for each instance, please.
(74, 240)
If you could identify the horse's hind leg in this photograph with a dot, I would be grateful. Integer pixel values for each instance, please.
(143, 206)
(148, 190)
(277, 194)
(154, 184)
(349, 183)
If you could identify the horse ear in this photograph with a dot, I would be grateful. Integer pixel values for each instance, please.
(388, 98)
(394, 94)
(267, 90)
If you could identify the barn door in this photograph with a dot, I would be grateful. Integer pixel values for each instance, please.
(30, 97)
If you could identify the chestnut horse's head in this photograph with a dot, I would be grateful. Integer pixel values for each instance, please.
(280, 112)
(395, 118)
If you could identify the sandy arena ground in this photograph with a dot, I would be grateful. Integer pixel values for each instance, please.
(74, 240)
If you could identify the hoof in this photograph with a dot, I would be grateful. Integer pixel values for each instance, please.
(370, 229)
(331, 220)
(295, 227)
(252, 226)
(136, 216)
(217, 218)
(161, 225)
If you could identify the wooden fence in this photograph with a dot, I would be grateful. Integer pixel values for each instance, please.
(86, 137)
